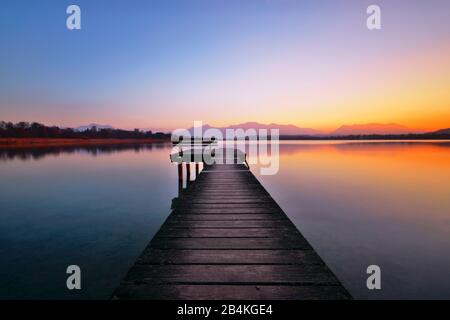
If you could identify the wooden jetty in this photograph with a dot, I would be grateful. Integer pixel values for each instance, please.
(226, 238)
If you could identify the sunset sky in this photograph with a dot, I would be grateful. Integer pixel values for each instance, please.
(164, 64)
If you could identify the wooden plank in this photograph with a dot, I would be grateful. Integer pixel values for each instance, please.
(246, 256)
(226, 190)
(222, 217)
(231, 292)
(222, 195)
(228, 180)
(228, 224)
(225, 185)
(231, 274)
(229, 243)
(228, 205)
(230, 200)
(214, 194)
(227, 210)
(225, 167)
(229, 183)
(226, 232)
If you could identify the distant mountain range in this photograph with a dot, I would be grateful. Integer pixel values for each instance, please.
(442, 131)
(372, 128)
(284, 129)
(292, 130)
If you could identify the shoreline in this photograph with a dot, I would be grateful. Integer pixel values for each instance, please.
(12, 143)
(62, 142)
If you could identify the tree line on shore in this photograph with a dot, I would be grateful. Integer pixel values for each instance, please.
(37, 130)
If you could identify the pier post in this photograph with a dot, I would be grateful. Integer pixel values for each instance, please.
(197, 169)
(180, 177)
(188, 172)
(235, 151)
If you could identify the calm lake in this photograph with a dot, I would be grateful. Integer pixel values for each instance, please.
(357, 203)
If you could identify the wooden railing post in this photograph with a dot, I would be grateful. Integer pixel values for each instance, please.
(188, 172)
(235, 153)
(180, 178)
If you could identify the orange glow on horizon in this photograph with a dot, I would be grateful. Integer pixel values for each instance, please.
(410, 90)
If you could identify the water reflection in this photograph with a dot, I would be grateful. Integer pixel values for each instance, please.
(357, 203)
(26, 154)
(363, 203)
(96, 207)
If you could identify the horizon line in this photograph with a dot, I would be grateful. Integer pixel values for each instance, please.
(318, 132)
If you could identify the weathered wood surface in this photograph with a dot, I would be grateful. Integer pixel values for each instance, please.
(228, 239)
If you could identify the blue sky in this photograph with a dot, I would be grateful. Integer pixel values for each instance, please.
(167, 63)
